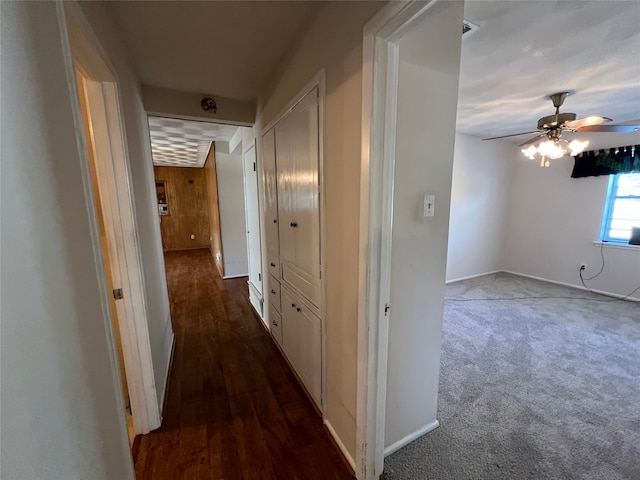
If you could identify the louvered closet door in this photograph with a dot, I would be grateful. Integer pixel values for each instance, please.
(271, 193)
(298, 203)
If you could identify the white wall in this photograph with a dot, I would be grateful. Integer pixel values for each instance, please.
(427, 101)
(554, 219)
(340, 54)
(59, 398)
(144, 193)
(232, 216)
(479, 198)
(174, 103)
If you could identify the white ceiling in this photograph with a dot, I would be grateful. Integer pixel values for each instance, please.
(521, 52)
(526, 50)
(183, 143)
(225, 48)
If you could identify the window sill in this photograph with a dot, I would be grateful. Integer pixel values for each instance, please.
(619, 246)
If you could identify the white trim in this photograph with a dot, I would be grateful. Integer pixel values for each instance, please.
(193, 118)
(110, 142)
(240, 275)
(469, 277)
(317, 80)
(579, 287)
(379, 90)
(411, 437)
(323, 243)
(618, 246)
(341, 446)
(167, 372)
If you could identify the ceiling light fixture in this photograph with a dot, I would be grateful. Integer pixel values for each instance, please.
(554, 147)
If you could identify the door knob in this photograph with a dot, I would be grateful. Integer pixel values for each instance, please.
(294, 224)
(275, 221)
(275, 324)
(273, 264)
(293, 305)
(273, 291)
(298, 308)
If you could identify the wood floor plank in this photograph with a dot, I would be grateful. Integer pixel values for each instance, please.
(233, 410)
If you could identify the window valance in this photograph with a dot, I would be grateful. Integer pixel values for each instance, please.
(607, 162)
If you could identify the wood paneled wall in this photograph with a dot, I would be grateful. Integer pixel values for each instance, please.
(214, 210)
(188, 208)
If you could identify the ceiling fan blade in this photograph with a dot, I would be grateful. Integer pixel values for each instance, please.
(533, 140)
(609, 128)
(512, 135)
(585, 122)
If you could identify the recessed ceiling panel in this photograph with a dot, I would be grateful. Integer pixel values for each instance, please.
(184, 143)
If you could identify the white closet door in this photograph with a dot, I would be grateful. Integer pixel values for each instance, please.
(286, 190)
(270, 188)
(290, 328)
(301, 342)
(297, 144)
(252, 209)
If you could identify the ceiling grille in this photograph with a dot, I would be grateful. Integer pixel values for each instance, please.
(467, 26)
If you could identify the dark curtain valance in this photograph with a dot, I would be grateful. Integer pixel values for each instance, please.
(607, 162)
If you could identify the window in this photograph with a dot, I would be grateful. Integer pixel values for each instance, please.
(622, 208)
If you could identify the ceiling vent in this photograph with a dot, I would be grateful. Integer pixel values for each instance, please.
(468, 27)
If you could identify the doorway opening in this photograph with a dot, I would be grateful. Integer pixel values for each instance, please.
(117, 251)
(207, 192)
(409, 115)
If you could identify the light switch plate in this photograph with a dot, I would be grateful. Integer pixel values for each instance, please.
(429, 205)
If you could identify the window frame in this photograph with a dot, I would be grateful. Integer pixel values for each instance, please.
(612, 196)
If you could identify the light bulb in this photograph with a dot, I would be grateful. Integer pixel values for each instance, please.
(551, 149)
(530, 151)
(578, 146)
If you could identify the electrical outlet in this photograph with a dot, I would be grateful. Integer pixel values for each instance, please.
(583, 267)
(193, 237)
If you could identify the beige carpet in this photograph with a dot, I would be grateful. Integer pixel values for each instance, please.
(544, 388)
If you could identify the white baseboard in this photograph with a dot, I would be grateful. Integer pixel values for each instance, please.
(165, 383)
(579, 287)
(411, 437)
(471, 276)
(341, 446)
(240, 275)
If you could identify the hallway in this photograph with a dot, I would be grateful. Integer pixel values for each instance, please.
(234, 410)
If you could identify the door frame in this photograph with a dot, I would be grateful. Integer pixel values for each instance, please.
(253, 291)
(84, 53)
(381, 38)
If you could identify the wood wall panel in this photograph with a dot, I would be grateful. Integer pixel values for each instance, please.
(214, 210)
(188, 208)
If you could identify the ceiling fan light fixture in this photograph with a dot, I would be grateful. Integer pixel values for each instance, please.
(555, 148)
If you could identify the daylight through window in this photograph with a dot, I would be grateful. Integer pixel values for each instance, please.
(622, 209)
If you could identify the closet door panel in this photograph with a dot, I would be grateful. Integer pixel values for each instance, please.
(305, 165)
(290, 335)
(286, 189)
(271, 190)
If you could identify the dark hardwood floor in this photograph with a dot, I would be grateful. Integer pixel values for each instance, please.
(234, 410)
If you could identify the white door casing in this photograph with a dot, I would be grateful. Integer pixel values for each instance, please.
(105, 115)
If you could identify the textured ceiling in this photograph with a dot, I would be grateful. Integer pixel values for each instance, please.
(225, 48)
(182, 143)
(525, 50)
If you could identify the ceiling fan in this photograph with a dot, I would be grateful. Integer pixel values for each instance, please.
(553, 126)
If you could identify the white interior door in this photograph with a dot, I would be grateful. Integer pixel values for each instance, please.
(252, 210)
